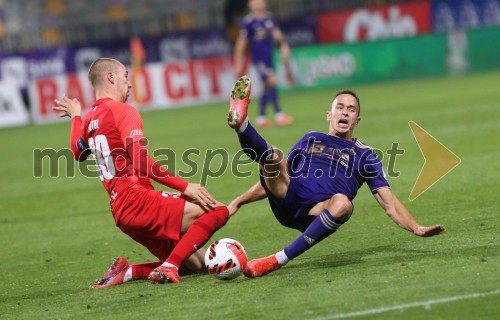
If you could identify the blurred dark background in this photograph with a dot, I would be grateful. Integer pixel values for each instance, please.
(28, 24)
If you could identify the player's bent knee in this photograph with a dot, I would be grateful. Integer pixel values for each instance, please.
(217, 218)
(272, 155)
(278, 155)
(341, 207)
(263, 157)
(219, 204)
(274, 164)
(221, 214)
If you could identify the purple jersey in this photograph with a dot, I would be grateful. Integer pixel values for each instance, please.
(322, 165)
(259, 33)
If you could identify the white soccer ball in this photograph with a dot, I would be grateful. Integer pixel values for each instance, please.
(226, 259)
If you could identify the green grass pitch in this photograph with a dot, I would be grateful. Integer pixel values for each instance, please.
(57, 234)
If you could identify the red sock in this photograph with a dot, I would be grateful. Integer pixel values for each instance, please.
(198, 234)
(142, 271)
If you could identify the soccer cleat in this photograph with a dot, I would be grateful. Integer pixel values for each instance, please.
(260, 267)
(263, 123)
(114, 275)
(284, 120)
(164, 274)
(238, 103)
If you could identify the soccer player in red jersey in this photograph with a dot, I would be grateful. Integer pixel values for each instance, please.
(174, 227)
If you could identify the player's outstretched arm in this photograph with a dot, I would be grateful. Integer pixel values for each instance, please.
(67, 107)
(255, 193)
(149, 167)
(401, 216)
(285, 55)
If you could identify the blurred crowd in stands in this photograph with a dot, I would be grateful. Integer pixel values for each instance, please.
(34, 24)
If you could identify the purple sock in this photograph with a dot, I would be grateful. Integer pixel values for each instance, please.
(255, 147)
(321, 227)
(272, 94)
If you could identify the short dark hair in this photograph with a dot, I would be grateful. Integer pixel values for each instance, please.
(349, 92)
(99, 67)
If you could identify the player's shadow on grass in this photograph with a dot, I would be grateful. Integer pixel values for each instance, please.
(380, 255)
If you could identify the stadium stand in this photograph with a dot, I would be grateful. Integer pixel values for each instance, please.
(30, 24)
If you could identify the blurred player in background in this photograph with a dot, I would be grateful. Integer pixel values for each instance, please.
(173, 226)
(312, 190)
(261, 30)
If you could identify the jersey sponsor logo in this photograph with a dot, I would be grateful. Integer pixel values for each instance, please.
(136, 132)
(338, 155)
(93, 125)
(260, 33)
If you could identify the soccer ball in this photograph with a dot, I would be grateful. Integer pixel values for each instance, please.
(226, 259)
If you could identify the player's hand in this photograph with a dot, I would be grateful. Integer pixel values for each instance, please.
(285, 53)
(422, 231)
(199, 194)
(233, 207)
(67, 107)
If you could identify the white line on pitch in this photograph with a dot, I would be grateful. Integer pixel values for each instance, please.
(425, 304)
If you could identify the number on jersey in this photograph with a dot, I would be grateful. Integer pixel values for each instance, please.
(102, 155)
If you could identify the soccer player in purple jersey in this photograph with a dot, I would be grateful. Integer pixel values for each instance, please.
(313, 188)
(261, 30)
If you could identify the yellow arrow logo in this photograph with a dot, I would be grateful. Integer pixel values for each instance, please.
(438, 160)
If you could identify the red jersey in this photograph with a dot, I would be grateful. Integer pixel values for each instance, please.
(108, 128)
(112, 131)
